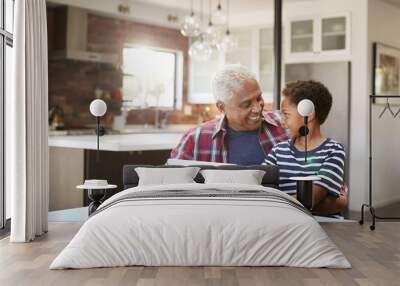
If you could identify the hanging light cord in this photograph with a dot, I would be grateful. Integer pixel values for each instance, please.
(202, 11)
(191, 8)
(209, 13)
(227, 18)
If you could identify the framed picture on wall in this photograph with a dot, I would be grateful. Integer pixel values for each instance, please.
(386, 70)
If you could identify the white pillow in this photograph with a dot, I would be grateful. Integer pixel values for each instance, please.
(180, 162)
(248, 177)
(164, 176)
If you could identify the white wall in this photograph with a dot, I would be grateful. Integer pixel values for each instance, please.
(358, 153)
(263, 18)
(383, 27)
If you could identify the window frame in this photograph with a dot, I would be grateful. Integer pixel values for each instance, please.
(178, 84)
(6, 39)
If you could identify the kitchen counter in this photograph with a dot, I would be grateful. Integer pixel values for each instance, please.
(119, 142)
(73, 158)
(129, 129)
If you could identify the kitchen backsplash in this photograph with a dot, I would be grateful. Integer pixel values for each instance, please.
(72, 83)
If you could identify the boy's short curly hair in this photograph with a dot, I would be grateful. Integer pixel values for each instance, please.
(312, 90)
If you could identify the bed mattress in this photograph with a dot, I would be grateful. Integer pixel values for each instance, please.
(201, 225)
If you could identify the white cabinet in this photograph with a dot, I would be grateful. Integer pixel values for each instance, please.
(318, 38)
(254, 50)
(201, 74)
(266, 63)
(245, 52)
(302, 36)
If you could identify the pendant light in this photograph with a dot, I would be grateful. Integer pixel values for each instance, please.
(228, 43)
(191, 25)
(211, 33)
(200, 49)
(219, 17)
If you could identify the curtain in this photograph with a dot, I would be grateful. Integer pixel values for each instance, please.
(27, 123)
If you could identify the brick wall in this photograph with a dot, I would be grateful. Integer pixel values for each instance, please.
(72, 83)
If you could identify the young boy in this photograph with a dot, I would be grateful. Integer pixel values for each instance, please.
(325, 156)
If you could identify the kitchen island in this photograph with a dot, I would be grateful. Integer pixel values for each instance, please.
(73, 159)
(119, 142)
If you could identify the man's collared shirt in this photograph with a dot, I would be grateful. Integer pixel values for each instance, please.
(207, 142)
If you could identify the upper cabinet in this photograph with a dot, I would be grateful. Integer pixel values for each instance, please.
(318, 38)
(255, 50)
(201, 74)
(302, 37)
(245, 52)
(266, 63)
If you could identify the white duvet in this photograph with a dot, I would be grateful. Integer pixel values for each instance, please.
(183, 231)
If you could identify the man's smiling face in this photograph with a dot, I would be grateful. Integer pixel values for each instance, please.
(244, 110)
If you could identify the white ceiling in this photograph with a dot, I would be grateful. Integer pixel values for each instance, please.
(242, 12)
(236, 6)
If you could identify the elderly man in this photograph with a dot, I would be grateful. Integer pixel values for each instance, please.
(245, 134)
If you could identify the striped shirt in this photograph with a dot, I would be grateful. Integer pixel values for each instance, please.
(209, 141)
(325, 161)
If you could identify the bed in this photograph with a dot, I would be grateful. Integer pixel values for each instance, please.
(201, 224)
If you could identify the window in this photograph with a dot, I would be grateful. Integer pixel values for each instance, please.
(9, 15)
(6, 44)
(152, 77)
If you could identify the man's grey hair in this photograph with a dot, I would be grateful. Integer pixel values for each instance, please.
(229, 80)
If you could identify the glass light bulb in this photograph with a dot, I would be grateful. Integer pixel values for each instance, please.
(219, 16)
(211, 35)
(228, 42)
(200, 50)
(190, 26)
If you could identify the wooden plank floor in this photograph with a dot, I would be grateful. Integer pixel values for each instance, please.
(375, 257)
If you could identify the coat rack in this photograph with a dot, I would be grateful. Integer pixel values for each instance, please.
(394, 115)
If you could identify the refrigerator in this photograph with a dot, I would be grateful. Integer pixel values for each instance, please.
(336, 77)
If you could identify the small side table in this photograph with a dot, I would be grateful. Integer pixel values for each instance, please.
(304, 193)
(96, 195)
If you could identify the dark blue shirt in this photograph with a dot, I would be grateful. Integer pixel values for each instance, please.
(244, 148)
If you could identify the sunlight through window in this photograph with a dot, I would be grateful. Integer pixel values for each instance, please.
(149, 77)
